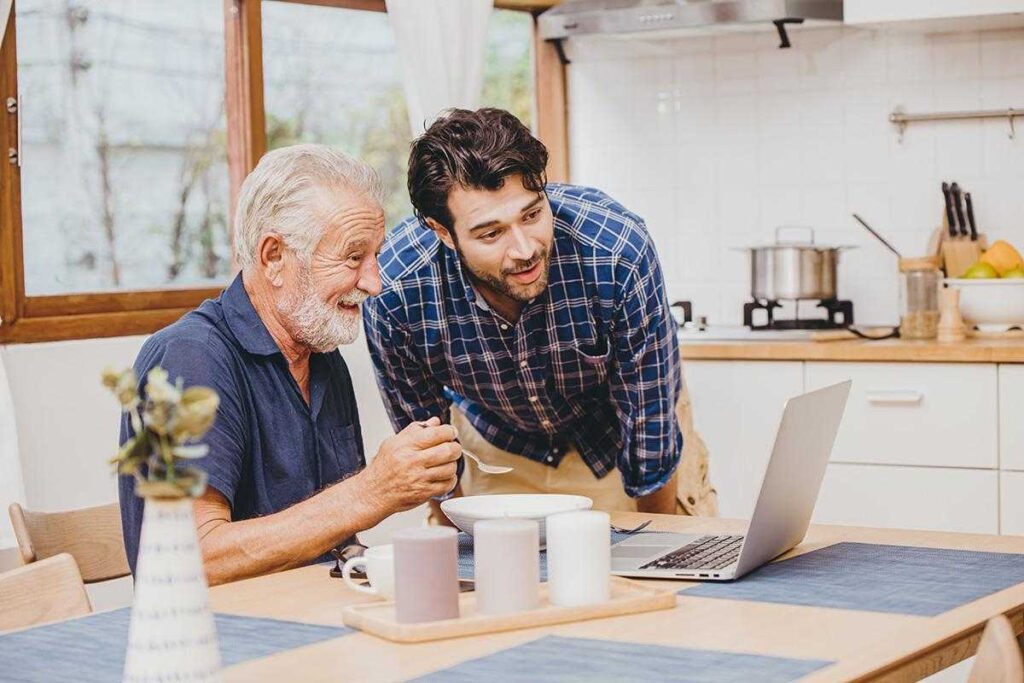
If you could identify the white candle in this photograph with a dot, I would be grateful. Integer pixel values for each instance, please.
(426, 574)
(507, 565)
(579, 557)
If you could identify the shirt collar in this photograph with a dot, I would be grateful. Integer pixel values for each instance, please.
(244, 322)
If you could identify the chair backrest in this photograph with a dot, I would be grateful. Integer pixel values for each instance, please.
(999, 658)
(91, 535)
(44, 591)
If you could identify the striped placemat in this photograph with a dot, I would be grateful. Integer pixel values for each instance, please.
(91, 649)
(876, 578)
(555, 659)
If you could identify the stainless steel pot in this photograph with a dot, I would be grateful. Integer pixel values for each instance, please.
(793, 269)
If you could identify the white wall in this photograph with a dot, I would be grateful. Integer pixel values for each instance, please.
(717, 140)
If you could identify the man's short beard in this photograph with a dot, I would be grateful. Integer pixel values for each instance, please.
(500, 284)
(314, 323)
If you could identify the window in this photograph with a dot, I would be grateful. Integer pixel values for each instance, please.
(129, 126)
(124, 181)
(332, 76)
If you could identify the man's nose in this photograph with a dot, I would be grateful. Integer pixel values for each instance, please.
(369, 277)
(521, 249)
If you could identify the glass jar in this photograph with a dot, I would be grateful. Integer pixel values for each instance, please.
(920, 279)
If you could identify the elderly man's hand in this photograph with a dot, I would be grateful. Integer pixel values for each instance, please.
(415, 465)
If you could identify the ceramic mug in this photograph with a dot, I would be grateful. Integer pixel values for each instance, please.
(379, 564)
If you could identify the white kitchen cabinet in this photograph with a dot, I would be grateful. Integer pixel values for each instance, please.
(1011, 417)
(924, 414)
(737, 406)
(1011, 503)
(932, 498)
(935, 14)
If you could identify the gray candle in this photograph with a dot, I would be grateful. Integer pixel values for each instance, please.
(426, 574)
(507, 557)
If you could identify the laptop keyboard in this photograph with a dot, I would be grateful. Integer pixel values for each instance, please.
(710, 552)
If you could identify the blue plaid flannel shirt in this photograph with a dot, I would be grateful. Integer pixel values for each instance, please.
(592, 362)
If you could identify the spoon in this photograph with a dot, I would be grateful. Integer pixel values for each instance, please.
(480, 464)
(484, 467)
(640, 527)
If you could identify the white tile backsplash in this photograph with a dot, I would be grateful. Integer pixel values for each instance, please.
(718, 140)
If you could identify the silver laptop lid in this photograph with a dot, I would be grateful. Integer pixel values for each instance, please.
(794, 474)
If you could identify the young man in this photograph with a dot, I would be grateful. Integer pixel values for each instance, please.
(538, 314)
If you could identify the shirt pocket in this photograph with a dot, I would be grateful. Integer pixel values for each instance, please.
(343, 459)
(581, 369)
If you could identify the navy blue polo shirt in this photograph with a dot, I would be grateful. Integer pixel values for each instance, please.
(269, 449)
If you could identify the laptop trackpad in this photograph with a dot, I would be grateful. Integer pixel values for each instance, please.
(628, 553)
(639, 551)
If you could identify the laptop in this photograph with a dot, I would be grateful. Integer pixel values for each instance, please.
(781, 516)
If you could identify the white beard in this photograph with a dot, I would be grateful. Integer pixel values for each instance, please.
(318, 325)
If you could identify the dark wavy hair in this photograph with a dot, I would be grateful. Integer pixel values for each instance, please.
(474, 150)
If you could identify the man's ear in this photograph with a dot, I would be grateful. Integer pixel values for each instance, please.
(270, 252)
(441, 232)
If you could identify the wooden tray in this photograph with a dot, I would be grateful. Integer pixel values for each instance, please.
(627, 597)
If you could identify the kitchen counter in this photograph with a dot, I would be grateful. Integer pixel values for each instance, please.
(972, 350)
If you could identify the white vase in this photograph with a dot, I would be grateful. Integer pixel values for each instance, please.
(172, 635)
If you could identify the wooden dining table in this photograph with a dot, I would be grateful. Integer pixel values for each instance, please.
(864, 646)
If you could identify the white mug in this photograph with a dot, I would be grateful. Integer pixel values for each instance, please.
(379, 564)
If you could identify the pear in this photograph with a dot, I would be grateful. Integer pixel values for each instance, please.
(981, 271)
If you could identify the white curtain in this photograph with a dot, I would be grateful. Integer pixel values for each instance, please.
(441, 48)
(11, 484)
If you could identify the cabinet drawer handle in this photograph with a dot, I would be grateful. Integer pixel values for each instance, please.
(895, 397)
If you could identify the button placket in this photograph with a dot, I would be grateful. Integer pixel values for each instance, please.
(530, 385)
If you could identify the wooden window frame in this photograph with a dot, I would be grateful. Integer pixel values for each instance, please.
(60, 317)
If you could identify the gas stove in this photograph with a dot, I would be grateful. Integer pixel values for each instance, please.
(759, 315)
(761, 323)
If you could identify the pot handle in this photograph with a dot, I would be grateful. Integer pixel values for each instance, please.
(807, 228)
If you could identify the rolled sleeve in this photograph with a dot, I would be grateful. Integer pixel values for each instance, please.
(646, 380)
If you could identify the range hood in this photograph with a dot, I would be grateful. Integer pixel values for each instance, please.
(623, 17)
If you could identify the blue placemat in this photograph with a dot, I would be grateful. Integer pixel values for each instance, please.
(876, 578)
(554, 659)
(466, 554)
(92, 648)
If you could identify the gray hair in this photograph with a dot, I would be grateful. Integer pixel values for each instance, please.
(281, 195)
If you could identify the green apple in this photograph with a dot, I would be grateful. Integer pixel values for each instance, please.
(981, 271)
(1016, 272)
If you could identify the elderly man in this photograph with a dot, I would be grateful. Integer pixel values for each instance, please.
(287, 476)
(538, 312)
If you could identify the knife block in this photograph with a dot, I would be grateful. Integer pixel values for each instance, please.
(959, 254)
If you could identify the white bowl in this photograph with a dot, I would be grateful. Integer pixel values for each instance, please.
(468, 510)
(993, 305)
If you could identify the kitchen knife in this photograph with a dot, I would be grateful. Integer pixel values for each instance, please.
(949, 210)
(954, 190)
(970, 217)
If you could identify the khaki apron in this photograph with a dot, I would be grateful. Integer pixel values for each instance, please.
(695, 495)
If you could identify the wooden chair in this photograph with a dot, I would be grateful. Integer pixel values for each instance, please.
(91, 535)
(999, 657)
(44, 591)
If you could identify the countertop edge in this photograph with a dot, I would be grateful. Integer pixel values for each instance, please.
(894, 351)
